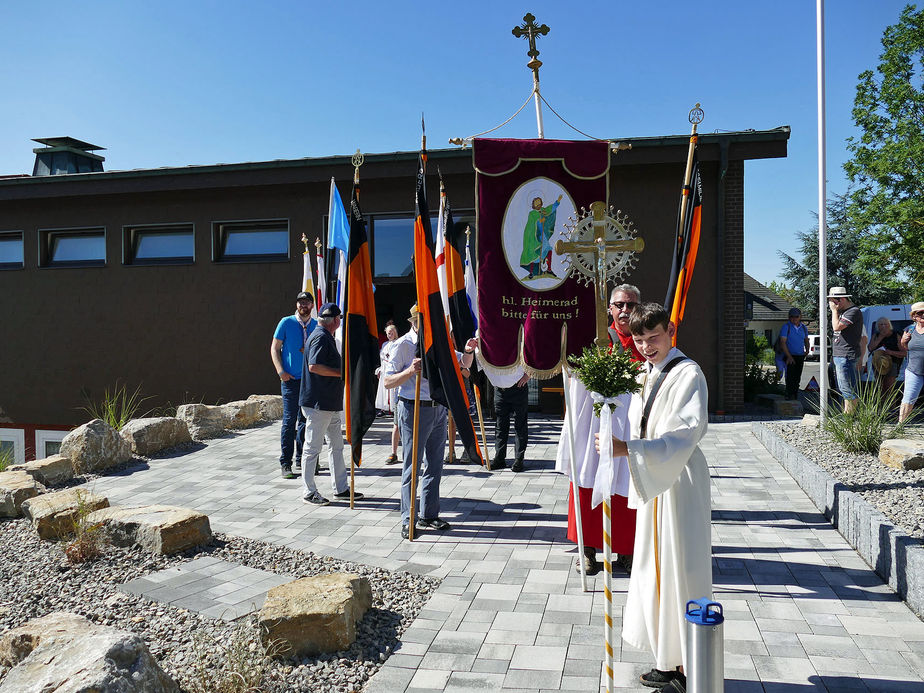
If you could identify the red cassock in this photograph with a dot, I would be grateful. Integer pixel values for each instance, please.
(623, 517)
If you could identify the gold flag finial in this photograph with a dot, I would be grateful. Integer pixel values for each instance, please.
(358, 159)
(305, 241)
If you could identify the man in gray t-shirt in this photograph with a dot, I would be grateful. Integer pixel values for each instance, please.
(847, 323)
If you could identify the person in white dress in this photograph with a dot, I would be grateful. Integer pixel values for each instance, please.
(385, 398)
(670, 489)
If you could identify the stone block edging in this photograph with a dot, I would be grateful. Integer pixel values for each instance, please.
(895, 556)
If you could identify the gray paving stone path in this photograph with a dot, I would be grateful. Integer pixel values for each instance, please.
(804, 613)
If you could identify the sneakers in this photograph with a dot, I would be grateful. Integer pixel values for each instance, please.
(346, 494)
(316, 498)
(436, 523)
(287, 472)
(517, 466)
(664, 680)
(391, 459)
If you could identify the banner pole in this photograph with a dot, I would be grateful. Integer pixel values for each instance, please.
(576, 490)
(410, 529)
(608, 593)
(484, 439)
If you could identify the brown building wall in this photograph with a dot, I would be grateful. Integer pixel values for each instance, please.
(202, 331)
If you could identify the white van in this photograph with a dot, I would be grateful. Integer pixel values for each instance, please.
(814, 347)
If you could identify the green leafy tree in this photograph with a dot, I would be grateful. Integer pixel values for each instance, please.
(887, 164)
(844, 265)
(784, 291)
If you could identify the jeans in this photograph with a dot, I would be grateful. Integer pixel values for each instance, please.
(292, 435)
(846, 369)
(318, 423)
(431, 444)
(510, 400)
(913, 384)
(794, 375)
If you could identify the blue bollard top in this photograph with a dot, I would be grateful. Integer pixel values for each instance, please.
(703, 612)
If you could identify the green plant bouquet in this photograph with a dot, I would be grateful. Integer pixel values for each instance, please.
(608, 372)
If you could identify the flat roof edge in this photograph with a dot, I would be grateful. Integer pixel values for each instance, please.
(781, 133)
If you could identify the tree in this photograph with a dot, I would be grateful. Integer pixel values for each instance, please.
(887, 164)
(784, 291)
(843, 265)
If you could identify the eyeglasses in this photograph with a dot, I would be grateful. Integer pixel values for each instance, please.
(623, 304)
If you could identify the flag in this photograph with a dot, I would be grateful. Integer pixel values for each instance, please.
(460, 313)
(308, 282)
(338, 237)
(689, 225)
(440, 366)
(322, 279)
(440, 254)
(471, 287)
(360, 334)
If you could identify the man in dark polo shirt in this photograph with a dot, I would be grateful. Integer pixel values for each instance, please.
(847, 324)
(321, 400)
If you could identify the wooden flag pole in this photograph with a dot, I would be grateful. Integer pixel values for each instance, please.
(452, 439)
(484, 439)
(410, 529)
(357, 162)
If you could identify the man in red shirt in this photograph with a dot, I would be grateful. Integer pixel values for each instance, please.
(623, 299)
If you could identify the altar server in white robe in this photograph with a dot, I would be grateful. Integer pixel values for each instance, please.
(670, 488)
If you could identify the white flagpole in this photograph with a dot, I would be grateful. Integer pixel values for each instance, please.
(822, 216)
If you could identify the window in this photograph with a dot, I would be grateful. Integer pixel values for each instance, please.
(48, 443)
(11, 253)
(73, 247)
(13, 445)
(393, 244)
(242, 241)
(168, 244)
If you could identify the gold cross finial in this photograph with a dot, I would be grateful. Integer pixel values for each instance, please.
(531, 31)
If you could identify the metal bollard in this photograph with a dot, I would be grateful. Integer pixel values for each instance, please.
(705, 647)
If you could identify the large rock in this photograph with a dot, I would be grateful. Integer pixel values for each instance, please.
(16, 488)
(16, 644)
(315, 614)
(270, 406)
(156, 528)
(902, 453)
(66, 653)
(202, 420)
(95, 446)
(243, 413)
(147, 436)
(54, 514)
(49, 471)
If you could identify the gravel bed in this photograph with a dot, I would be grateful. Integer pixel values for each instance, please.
(36, 579)
(896, 493)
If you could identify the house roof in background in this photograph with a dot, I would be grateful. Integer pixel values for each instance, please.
(768, 305)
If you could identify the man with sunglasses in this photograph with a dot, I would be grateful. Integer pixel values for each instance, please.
(623, 299)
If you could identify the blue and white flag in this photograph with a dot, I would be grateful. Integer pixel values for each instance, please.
(338, 237)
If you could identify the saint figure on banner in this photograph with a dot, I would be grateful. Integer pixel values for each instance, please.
(530, 232)
(536, 257)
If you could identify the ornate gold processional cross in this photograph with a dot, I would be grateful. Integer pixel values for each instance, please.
(602, 248)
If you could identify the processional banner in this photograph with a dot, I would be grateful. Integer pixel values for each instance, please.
(531, 313)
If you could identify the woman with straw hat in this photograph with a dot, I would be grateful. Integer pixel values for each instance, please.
(886, 354)
(913, 342)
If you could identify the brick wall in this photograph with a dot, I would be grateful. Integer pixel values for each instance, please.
(733, 289)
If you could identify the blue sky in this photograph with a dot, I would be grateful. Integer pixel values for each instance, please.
(201, 82)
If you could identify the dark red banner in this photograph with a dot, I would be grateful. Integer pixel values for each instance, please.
(527, 191)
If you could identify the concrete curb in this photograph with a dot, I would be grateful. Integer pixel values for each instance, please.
(895, 556)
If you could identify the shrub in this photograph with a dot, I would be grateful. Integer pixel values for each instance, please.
(117, 407)
(236, 665)
(89, 539)
(6, 458)
(864, 429)
(759, 381)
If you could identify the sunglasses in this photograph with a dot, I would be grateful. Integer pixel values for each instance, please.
(623, 304)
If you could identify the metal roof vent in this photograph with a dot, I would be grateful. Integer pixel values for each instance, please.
(64, 155)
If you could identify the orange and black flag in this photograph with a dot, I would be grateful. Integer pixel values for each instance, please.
(460, 313)
(689, 225)
(360, 334)
(440, 366)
